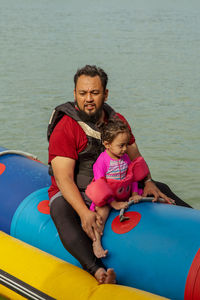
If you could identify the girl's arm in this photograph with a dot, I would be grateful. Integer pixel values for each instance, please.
(100, 167)
(135, 197)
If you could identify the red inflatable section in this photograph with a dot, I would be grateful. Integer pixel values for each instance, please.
(192, 287)
(127, 225)
(2, 168)
(43, 207)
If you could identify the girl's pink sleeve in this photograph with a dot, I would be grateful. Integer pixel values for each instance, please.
(100, 167)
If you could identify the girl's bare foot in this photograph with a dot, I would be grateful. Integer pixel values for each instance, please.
(103, 276)
(98, 250)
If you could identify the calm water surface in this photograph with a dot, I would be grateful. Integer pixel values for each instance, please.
(150, 51)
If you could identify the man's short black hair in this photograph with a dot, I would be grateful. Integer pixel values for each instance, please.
(92, 71)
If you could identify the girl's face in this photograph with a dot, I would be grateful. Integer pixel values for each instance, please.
(118, 146)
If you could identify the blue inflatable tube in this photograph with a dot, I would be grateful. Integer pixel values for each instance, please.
(156, 250)
(20, 177)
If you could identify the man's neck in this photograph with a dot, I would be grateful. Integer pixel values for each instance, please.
(101, 119)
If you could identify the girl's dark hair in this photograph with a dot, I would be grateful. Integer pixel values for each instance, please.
(92, 71)
(110, 130)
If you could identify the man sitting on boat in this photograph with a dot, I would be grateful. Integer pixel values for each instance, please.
(74, 145)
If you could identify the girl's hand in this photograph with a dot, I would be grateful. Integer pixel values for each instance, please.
(119, 205)
(135, 198)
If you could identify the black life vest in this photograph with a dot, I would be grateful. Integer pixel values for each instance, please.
(86, 158)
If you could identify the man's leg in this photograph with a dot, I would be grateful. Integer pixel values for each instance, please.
(167, 191)
(73, 237)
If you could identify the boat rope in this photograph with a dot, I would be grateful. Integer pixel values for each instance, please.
(18, 152)
(144, 199)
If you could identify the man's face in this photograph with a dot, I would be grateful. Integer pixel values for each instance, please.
(89, 95)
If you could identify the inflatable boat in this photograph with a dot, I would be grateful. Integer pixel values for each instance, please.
(156, 250)
(33, 274)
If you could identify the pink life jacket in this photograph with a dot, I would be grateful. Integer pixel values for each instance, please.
(101, 190)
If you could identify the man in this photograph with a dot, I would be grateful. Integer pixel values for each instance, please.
(74, 145)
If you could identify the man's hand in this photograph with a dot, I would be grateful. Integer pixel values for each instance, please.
(151, 189)
(90, 222)
(63, 168)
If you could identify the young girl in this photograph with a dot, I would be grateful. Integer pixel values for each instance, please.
(113, 184)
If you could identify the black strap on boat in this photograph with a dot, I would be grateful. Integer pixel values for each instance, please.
(22, 288)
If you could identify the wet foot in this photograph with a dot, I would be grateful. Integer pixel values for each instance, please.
(98, 250)
(107, 277)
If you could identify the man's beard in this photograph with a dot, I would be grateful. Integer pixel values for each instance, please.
(93, 118)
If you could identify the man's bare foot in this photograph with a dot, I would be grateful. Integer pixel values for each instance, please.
(111, 276)
(100, 275)
(103, 276)
(98, 250)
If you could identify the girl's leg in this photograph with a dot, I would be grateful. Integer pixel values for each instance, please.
(97, 246)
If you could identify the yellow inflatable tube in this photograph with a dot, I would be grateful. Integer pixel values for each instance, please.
(55, 277)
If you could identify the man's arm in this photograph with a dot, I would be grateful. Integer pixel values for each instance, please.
(133, 151)
(63, 169)
(149, 186)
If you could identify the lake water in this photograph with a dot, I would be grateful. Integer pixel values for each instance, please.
(151, 52)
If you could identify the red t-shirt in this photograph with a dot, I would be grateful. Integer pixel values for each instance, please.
(68, 140)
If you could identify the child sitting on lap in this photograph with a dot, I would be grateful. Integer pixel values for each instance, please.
(113, 184)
